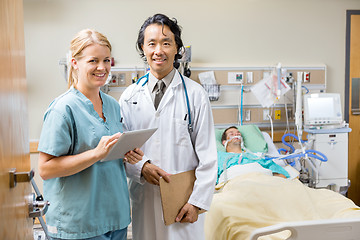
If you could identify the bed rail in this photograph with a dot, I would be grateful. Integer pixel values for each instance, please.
(336, 229)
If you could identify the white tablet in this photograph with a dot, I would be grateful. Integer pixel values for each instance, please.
(129, 141)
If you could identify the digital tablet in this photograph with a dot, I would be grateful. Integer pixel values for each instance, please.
(129, 141)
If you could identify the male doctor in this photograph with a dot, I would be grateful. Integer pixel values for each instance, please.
(173, 148)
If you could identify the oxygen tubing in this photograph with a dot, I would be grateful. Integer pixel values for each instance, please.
(292, 149)
(241, 104)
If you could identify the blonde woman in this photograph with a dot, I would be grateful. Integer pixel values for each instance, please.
(89, 199)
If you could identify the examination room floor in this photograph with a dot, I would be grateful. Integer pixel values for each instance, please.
(40, 235)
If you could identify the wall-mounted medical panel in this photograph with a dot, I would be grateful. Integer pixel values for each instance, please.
(232, 77)
(120, 79)
(236, 93)
(314, 76)
(123, 77)
(229, 115)
(235, 76)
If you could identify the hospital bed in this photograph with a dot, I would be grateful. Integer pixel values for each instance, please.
(253, 205)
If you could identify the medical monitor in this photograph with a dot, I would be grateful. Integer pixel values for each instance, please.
(321, 109)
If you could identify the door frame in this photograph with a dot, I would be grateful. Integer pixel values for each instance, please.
(349, 13)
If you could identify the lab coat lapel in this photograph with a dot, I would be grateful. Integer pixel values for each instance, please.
(146, 94)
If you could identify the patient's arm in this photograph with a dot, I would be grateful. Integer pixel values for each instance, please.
(278, 175)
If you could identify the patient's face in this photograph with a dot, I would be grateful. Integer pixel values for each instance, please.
(232, 132)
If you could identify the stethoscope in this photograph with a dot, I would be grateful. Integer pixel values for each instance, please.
(146, 77)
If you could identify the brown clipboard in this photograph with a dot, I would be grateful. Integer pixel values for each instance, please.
(175, 194)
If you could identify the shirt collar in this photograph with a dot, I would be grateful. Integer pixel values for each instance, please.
(167, 80)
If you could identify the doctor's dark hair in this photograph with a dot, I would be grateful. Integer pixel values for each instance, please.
(163, 20)
(224, 135)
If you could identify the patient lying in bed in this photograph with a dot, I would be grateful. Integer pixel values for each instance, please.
(256, 199)
(234, 155)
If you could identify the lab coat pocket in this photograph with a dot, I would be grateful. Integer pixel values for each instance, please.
(181, 134)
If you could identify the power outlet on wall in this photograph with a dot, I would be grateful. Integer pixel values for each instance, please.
(121, 79)
(113, 80)
(247, 116)
(266, 113)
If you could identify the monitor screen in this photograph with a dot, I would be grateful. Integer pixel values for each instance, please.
(322, 109)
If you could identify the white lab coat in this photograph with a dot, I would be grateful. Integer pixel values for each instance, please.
(171, 149)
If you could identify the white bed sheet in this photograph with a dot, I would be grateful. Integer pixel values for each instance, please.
(255, 200)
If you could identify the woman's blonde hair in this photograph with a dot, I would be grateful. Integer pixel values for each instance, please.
(83, 39)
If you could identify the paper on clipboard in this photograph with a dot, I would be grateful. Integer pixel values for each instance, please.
(174, 195)
(127, 142)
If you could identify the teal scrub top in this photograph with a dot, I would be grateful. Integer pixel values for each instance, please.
(95, 200)
(233, 159)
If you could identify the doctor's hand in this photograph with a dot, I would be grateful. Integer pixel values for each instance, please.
(134, 156)
(189, 213)
(153, 173)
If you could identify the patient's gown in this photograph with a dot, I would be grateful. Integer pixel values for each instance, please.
(232, 159)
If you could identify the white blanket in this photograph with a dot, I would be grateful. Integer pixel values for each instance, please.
(256, 200)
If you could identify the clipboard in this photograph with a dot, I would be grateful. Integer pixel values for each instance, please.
(127, 142)
(174, 195)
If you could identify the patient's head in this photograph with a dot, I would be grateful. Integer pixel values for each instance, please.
(230, 139)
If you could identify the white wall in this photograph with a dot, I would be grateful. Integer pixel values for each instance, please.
(222, 34)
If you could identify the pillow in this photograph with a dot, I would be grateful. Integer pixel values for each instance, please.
(252, 136)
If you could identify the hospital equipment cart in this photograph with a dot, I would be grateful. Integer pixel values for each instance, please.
(334, 144)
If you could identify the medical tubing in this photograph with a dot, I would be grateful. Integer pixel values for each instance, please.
(292, 163)
(145, 76)
(241, 104)
(314, 168)
(299, 134)
(137, 83)
(187, 103)
(311, 153)
(307, 90)
(291, 156)
(287, 117)
(282, 150)
(288, 144)
(272, 127)
(278, 80)
(323, 159)
(292, 149)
